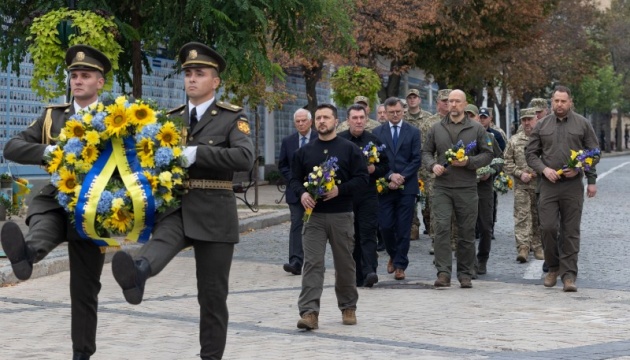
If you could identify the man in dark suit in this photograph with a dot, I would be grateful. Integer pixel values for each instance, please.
(303, 123)
(47, 220)
(218, 144)
(402, 143)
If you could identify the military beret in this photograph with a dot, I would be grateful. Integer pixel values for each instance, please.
(195, 55)
(527, 113)
(444, 93)
(472, 108)
(362, 99)
(538, 104)
(83, 57)
(413, 92)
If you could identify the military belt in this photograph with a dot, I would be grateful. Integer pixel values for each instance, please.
(207, 184)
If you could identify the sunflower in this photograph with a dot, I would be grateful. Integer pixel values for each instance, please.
(92, 137)
(153, 180)
(120, 218)
(55, 160)
(89, 154)
(73, 203)
(71, 158)
(140, 114)
(67, 181)
(74, 128)
(145, 147)
(168, 135)
(116, 122)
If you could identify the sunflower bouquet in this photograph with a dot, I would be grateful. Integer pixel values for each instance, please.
(116, 166)
(580, 159)
(502, 183)
(320, 181)
(459, 152)
(372, 152)
(422, 194)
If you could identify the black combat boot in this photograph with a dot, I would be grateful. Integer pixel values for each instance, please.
(19, 253)
(80, 356)
(131, 275)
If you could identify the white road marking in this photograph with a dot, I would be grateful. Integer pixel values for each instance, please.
(599, 177)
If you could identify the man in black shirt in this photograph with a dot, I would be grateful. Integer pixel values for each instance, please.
(331, 218)
(365, 203)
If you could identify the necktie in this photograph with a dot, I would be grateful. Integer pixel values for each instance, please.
(193, 119)
(395, 137)
(303, 141)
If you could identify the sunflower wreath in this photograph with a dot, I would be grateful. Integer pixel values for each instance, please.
(115, 167)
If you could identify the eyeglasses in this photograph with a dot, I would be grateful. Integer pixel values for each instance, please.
(397, 112)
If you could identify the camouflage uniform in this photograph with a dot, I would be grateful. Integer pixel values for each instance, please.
(526, 225)
(497, 128)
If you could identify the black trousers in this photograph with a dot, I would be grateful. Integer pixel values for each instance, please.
(365, 228)
(50, 229)
(485, 221)
(213, 261)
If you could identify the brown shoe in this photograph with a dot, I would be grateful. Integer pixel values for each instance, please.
(551, 279)
(539, 254)
(465, 283)
(569, 285)
(415, 233)
(390, 266)
(308, 321)
(442, 281)
(400, 274)
(523, 253)
(348, 316)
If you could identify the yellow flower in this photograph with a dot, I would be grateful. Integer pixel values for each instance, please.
(92, 137)
(89, 154)
(460, 154)
(120, 101)
(166, 179)
(74, 128)
(71, 158)
(140, 114)
(177, 170)
(168, 135)
(379, 188)
(116, 122)
(120, 220)
(147, 161)
(55, 160)
(153, 180)
(168, 197)
(73, 203)
(574, 154)
(87, 118)
(67, 181)
(589, 161)
(329, 185)
(177, 151)
(145, 147)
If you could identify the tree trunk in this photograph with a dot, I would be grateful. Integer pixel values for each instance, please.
(619, 131)
(392, 87)
(311, 78)
(136, 58)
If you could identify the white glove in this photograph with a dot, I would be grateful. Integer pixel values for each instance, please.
(49, 149)
(190, 152)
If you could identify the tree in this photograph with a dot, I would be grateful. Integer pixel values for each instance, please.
(351, 81)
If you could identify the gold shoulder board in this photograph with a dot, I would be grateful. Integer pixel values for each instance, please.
(174, 110)
(228, 106)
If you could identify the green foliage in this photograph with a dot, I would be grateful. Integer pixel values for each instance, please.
(600, 92)
(48, 55)
(273, 176)
(351, 81)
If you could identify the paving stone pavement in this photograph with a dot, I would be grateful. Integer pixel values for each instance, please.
(501, 317)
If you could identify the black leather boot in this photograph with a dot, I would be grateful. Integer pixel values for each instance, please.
(80, 356)
(19, 253)
(131, 275)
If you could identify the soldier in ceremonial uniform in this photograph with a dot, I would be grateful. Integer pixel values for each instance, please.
(47, 220)
(371, 123)
(218, 144)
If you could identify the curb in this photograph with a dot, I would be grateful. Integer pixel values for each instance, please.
(58, 261)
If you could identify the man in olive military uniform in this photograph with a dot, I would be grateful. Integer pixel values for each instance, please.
(371, 123)
(526, 225)
(47, 220)
(426, 176)
(218, 144)
(415, 116)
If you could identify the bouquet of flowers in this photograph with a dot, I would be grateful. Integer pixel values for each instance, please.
(320, 181)
(503, 183)
(488, 169)
(382, 186)
(115, 167)
(372, 152)
(422, 194)
(459, 152)
(580, 159)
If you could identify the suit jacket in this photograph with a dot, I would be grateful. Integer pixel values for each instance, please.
(223, 147)
(405, 158)
(27, 148)
(290, 144)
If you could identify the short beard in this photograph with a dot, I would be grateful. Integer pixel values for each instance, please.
(326, 132)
